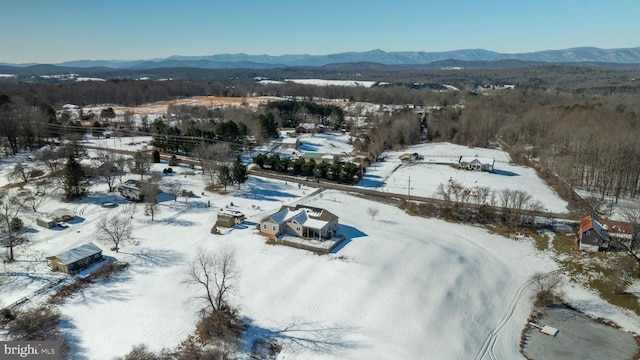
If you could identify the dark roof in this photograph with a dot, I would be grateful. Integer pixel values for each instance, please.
(79, 253)
(588, 223)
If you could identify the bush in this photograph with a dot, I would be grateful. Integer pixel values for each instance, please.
(547, 289)
(35, 324)
(219, 326)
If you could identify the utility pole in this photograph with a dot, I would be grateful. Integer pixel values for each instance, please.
(409, 190)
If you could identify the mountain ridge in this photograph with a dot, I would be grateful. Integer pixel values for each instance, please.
(221, 61)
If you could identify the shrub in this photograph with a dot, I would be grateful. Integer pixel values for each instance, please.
(547, 289)
(35, 324)
(219, 326)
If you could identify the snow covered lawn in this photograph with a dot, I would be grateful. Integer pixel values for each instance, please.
(439, 166)
(401, 287)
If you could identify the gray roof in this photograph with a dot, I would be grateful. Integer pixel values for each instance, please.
(58, 213)
(75, 254)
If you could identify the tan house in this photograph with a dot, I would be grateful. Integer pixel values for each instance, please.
(76, 259)
(301, 221)
(229, 218)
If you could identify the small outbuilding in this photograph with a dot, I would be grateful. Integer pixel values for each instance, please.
(46, 223)
(61, 215)
(229, 218)
(76, 259)
(290, 143)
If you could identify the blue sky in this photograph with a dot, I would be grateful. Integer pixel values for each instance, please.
(50, 31)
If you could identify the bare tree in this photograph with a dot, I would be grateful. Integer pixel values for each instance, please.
(373, 212)
(34, 201)
(175, 189)
(115, 229)
(141, 163)
(547, 288)
(216, 274)
(150, 197)
(10, 206)
(631, 246)
(109, 169)
(19, 173)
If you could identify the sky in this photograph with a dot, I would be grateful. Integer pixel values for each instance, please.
(52, 31)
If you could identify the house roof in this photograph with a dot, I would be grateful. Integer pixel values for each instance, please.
(481, 161)
(75, 254)
(290, 140)
(588, 223)
(309, 216)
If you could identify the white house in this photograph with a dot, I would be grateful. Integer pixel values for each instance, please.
(476, 163)
(301, 221)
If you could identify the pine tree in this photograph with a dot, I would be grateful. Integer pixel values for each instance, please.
(73, 176)
(239, 172)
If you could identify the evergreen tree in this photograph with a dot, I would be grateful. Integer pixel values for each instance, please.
(225, 177)
(239, 172)
(73, 176)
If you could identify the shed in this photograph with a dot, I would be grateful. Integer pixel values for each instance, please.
(290, 143)
(46, 223)
(76, 259)
(61, 214)
(229, 218)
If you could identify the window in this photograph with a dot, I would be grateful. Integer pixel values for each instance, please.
(274, 228)
(264, 226)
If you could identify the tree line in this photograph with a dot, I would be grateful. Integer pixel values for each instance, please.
(346, 173)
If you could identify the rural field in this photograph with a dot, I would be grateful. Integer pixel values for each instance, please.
(399, 287)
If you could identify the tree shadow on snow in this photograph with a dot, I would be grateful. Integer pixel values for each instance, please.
(69, 332)
(152, 258)
(263, 190)
(312, 336)
(370, 181)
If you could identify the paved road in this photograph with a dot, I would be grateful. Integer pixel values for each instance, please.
(386, 197)
(373, 194)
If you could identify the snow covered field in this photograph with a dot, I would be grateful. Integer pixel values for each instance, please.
(426, 175)
(400, 287)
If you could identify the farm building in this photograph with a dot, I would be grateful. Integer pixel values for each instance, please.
(593, 237)
(229, 218)
(46, 223)
(320, 157)
(476, 163)
(62, 214)
(76, 259)
(290, 143)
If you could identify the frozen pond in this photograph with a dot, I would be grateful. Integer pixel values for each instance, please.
(580, 337)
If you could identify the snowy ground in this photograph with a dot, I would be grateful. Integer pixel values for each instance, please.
(438, 167)
(392, 291)
(400, 287)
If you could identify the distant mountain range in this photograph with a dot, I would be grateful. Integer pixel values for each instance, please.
(245, 61)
